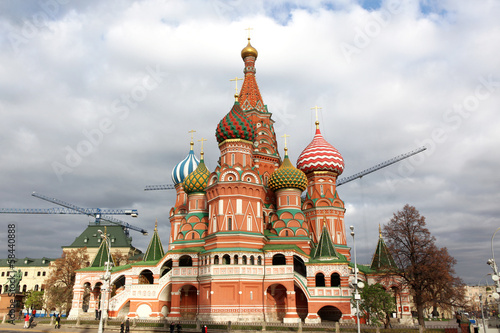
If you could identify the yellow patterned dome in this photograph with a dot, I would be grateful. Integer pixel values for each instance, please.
(249, 51)
(198, 179)
(287, 176)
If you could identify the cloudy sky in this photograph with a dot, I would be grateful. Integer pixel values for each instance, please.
(97, 98)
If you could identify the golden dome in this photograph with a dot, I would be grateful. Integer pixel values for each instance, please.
(248, 51)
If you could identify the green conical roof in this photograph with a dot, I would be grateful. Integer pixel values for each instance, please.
(382, 259)
(198, 179)
(325, 249)
(155, 248)
(102, 254)
(287, 176)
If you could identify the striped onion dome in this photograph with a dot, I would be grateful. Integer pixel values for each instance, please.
(287, 176)
(235, 125)
(185, 167)
(319, 155)
(198, 179)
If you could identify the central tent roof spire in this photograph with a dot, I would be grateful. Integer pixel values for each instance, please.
(250, 97)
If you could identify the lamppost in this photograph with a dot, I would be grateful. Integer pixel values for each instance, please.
(357, 296)
(491, 262)
(482, 312)
(106, 278)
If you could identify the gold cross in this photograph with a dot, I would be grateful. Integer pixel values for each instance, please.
(192, 131)
(285, 136)
(201, 140)
(249, 31)
(316, 109)
(236, 79)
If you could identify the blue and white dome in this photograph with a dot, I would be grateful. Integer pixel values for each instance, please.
(185, 167)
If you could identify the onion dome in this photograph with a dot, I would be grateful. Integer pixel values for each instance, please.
(185, 167)
(249, 51)
(287, 176)
(198, 179)
(319, 155)
(235, 125)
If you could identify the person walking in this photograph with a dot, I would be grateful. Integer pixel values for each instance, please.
(31, 321)
(58, 321)
(179, 328)
(122, 327)
(26, 321)
(172, 327)
(204, 329)
(127, 326)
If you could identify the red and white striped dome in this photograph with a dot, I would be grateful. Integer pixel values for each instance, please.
(319, 155)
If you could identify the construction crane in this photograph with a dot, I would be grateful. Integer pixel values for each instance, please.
(97, 213)
(379, 166)
(159, 187)
(339, 182)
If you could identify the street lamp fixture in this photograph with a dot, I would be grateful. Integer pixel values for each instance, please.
(357, 296)
(491, 262)
(107, 278)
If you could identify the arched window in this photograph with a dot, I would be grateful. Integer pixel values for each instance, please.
(236, 259)
(146, 277)
(36, 287)
(24, 288)
(335, 280)
(185, 261)
(259, 260)
(226, 259)
(252, 260)
(216, 260)
(320, 280)
(279, 259)
(229, 224)
(244, 260)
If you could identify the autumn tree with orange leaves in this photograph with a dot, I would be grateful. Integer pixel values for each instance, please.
(60, 282)
(423, 267)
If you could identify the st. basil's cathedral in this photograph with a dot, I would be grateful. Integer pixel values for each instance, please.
(256, 239)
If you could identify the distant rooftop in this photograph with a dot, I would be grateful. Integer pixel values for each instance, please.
(27, 262)
(90, 237)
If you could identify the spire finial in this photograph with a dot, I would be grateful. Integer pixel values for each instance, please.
(201, 140)
(248, 29)
(192, 135)
(316, 109)
(156, 225)
(379, 231)
(286, 148)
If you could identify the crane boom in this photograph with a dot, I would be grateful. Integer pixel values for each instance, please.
(56, 210)
(73, 209)
(159, 187)
(380, 166)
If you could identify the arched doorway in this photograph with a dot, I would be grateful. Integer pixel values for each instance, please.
(299, 266)
(86, 297)
(301, 303)
(166, 267)
(188, 302)
(276, 302)
(118, 286)
(329, 313)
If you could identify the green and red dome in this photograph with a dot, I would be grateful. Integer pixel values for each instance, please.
(287, 176)
(235, 125)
